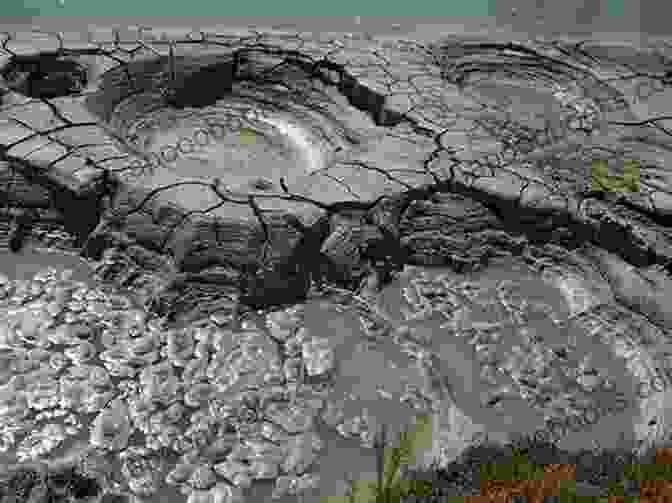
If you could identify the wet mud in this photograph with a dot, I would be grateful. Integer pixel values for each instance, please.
(424, 243)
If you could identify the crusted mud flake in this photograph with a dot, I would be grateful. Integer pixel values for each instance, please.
(112, 428)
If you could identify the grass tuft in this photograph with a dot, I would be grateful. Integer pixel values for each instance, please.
(525, 468)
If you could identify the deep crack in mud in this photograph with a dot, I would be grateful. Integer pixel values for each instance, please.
(362, 158)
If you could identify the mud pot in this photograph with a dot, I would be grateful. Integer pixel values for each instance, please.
(230, 257)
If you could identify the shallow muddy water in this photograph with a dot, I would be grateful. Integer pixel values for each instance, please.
(458, 358)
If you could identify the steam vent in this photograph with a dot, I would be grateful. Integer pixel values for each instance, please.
(262, 246)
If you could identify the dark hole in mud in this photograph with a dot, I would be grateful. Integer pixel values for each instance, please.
(45, 76)
(204, 87)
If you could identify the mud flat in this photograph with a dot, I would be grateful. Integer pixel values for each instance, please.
(399, 240)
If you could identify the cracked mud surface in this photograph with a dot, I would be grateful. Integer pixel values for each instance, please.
(429, 205)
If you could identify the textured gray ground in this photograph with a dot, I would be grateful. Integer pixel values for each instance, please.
(422, 152)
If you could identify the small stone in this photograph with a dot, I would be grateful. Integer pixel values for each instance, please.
(318, 355)
(264, 450)
(66, 274)
(307, 482)
(221, 318)
(180, 473)
(72, 430)
(295, 418)
(179, 346)
(112, 497)
(142, 345)
(230, 468)
(293, 347)
(197, 369)
(168, 434)
(280, 334)
(174, 413)
(284, 485)
(202, 349)
(275, 374)
(58, 361)
(202, 478)
(273, 432)
(135, 318)
(262, 469)
(43, 395)
(72, 393)
(143, 486)
(81, 331)
(112, 428)
(96, 308)
(76, 306)
(98, 376)
(159, 382)
(282, 319)
(302, 452)
(95, 401)
(39, 354)
(92, 296)
(242, 480)
(220, 448)
(293, 369)
(199, 394)
(118, 302)
(81, 353)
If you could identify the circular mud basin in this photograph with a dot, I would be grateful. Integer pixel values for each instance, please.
(529, 352)
(240, 147)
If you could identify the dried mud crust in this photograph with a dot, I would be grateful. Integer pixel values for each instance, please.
(411, 160)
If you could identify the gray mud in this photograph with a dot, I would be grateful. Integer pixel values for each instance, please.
(466, 163)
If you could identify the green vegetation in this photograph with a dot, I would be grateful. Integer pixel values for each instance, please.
(248, 136)
(609, 472)
(391, 487)
(602, 181)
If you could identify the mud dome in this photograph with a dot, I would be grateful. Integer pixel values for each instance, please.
(398, 239)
